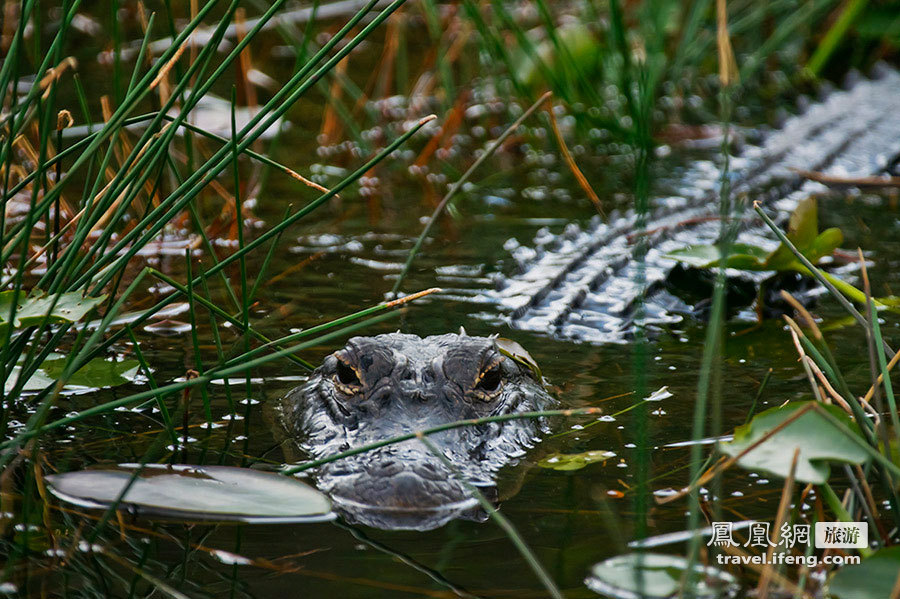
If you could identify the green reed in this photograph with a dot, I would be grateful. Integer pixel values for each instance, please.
(100, 266)
(637, 55)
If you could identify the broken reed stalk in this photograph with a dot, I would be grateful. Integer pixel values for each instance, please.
(570, 162)
(799, 347)
(458, 185)
(856, 182)
(880, 379)
(814, 366)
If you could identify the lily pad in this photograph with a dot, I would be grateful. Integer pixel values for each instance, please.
(192, 493)
(820, 442)
(874, 578)
(656, 576)
(31, 309)
(96, 374)
(575, 461)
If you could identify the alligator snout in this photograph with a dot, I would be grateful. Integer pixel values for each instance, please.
(401, 480)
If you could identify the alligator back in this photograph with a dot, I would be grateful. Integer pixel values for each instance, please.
(585, 283)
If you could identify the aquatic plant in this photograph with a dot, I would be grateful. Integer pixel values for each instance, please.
(91, 185)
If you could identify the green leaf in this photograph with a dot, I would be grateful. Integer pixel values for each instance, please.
(33, 308)
(782, 259)
(656, 576)
(520, 355)
(889, 301)
(824, 245)
(820, 442)
(804, 224)
(743, 255)
(874, 578)
(746, 261)
(96, 374)
(217, 493)
(574, 461)
(803, 233)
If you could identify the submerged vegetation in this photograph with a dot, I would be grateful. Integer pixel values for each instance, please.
(159, 160)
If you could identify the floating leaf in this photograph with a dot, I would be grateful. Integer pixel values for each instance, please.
(874, 578)
(802, 232)
(218, 493)
(31, 309)
(96, 374)
(742, 256)
(575, 461)
(656, 576)
(820, 442)
(519, 354)
(169, 311)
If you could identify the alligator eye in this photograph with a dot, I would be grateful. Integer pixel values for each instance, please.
(346, 375)
(490, 380)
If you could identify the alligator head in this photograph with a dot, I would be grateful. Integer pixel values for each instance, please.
(381, 387)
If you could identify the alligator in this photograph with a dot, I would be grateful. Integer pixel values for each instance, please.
(376, 388)
(586, 284)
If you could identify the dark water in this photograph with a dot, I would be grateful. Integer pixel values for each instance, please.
(570, 519)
